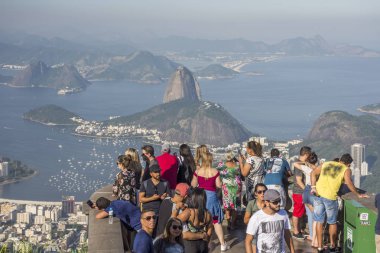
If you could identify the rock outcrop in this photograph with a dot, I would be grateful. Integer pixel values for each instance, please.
(334, 132)
(342, 127)
(182, 85)
(38, 74)
(184, 118)
(189, 122)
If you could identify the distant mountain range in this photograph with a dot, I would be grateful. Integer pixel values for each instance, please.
(299, 46)
(23, 49)
(140, 66)
(116, 61)
(38, 74)
(334, 133)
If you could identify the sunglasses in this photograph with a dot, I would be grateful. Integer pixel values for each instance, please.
(276, 202)
(148, 218)
(175, 227)
(261, 192)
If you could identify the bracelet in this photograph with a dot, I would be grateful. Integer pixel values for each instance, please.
(313, 186)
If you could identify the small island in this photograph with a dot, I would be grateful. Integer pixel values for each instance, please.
(52, 115)
(372, 108)
(13, 171)
(216, 71)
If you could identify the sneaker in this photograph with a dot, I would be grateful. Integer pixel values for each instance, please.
(334, 250)
(299, 236)
(224, 247)
(321, 250)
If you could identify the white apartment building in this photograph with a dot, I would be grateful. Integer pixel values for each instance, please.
(31, 209)
(364, 169)
(358, 154)
(357, 177)
(4, 169)
(40, 210)
(24, 218)
(53, 214)
(39, 219)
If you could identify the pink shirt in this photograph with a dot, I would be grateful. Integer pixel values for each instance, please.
(169, 168)
(209, 184)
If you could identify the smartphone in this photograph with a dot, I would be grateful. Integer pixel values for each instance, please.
(90, 203)
(239, 151)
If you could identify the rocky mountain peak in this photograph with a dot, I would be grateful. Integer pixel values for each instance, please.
(182, 85)
(38, 74)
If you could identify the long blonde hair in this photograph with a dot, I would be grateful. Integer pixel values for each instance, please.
(135, 157)
(200, 154)
(207, 160)
(133, 153)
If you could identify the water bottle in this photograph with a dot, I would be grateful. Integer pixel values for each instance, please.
(110, 216)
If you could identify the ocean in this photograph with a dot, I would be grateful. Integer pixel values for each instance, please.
(281, 104)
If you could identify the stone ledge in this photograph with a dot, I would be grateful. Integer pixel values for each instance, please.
(103, 237)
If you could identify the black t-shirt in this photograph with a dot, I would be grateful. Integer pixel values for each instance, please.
(150, 189)
(166, 209)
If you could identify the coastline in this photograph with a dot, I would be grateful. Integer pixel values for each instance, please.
(366, 111)
(11, 181)
(48, 124)
(110, 137)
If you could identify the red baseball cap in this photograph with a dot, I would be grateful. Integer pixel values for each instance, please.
(182, 189)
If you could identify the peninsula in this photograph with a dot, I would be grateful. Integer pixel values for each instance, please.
(15, 171)
(372, 108)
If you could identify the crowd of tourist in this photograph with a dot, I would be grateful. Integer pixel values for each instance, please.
(178, 201)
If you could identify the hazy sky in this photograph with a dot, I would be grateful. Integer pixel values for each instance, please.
(351, 21)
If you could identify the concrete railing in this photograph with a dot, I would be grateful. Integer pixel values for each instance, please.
(103, 237)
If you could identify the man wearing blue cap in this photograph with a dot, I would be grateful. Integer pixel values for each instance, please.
(271, 226)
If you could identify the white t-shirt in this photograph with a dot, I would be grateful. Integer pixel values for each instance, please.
(269, 231)
(307, 172)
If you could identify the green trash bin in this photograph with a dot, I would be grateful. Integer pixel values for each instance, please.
(359, 228)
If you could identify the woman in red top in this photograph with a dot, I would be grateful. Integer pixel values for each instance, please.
(208, 178)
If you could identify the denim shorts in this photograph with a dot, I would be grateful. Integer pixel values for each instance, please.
(325, 207)
(306, 196)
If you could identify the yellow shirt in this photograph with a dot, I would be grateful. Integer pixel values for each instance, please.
(330, 179)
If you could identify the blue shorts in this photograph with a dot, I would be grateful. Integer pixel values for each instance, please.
(306, 196)
(325, 207)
